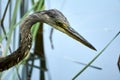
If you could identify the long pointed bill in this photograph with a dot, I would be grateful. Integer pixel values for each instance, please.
(75, 35)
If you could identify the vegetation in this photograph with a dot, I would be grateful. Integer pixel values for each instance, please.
(15, 12)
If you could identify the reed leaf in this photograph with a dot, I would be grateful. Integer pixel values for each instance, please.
(95, 57)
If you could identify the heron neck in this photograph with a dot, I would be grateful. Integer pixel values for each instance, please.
(30, 20)
(25, 28)
(25, 45)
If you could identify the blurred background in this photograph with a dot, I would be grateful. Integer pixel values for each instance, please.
(96, 21)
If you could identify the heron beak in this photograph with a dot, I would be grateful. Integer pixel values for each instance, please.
(75, 35)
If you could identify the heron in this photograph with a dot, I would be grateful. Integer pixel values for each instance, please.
(52, 17)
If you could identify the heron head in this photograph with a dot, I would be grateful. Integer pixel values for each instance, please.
(57, 20)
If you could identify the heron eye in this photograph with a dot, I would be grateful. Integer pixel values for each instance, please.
(59, 24)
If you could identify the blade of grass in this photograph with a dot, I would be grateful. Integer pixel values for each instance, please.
(11, 26)
(1, 38)
(50, 37)
(81, 63)
(95, 57)
(92, 66)
(39, 45)
(40, 6)
(118, 63)
(2, 22)
(10, 32)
